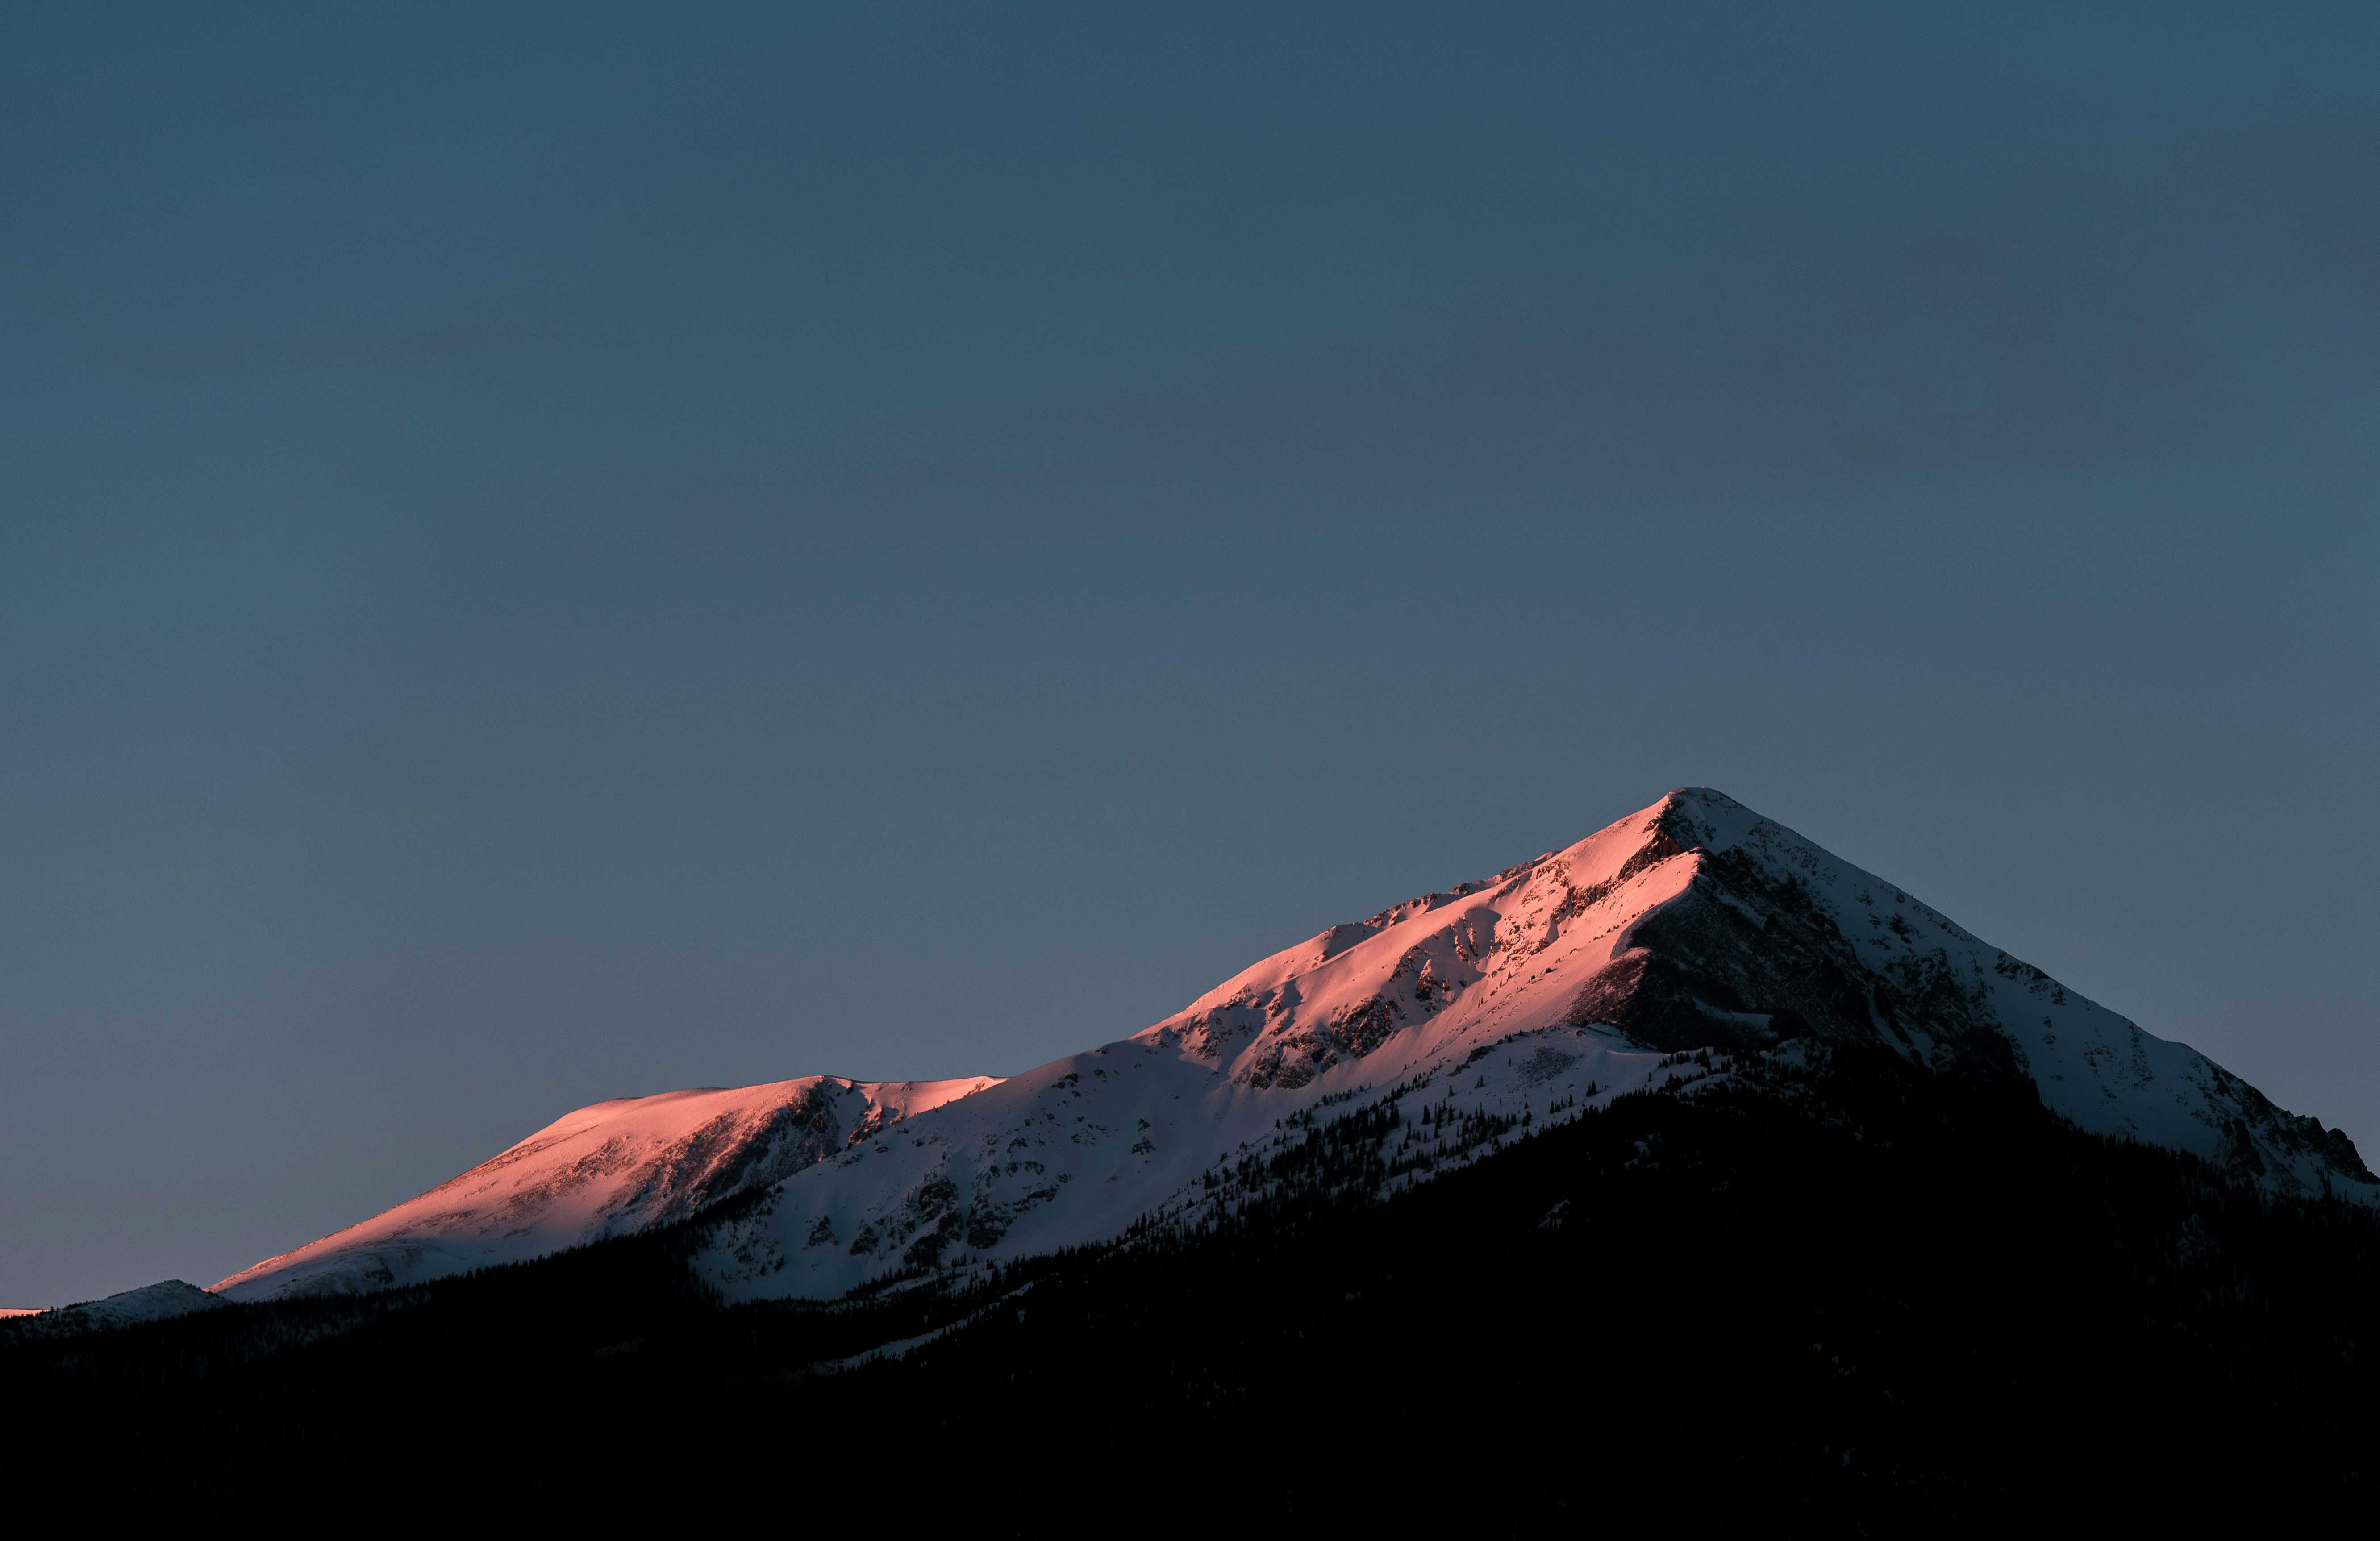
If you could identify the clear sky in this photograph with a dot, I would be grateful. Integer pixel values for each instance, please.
(555, 552)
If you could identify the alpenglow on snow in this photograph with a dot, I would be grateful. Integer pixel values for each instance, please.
(1542, 992)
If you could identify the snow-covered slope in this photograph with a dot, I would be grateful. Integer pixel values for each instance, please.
(1448, 1021)
(607, 1170)
(1555, 985)
(150, 1303)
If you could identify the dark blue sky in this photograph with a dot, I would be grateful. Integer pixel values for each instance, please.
(570, 553)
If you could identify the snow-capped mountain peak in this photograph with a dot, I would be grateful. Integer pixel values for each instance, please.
(1693, 926)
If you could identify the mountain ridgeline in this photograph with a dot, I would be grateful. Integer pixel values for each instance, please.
(1692, 924)
(609, 1169)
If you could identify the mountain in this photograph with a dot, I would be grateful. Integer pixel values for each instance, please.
(150, 1303)
(611, 1168)
(1662, 951)
(1684, 1175)
(1818, 1291)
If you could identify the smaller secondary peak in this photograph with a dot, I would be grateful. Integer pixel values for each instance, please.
(150, 1303)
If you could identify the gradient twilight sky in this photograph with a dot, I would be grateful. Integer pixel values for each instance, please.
(555, 552)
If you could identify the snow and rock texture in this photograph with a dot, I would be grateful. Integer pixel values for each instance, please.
(1444, 1025)
(150, 1303)
(1692, 925)
(604, 1171)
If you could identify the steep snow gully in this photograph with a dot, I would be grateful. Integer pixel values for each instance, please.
(1653, 952)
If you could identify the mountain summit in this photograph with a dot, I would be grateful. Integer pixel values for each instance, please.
(1650, 954)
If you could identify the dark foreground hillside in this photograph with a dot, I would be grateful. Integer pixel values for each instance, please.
(1860, 1298)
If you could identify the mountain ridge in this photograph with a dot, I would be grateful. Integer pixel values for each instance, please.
(621, 1165)
(1692, 924)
